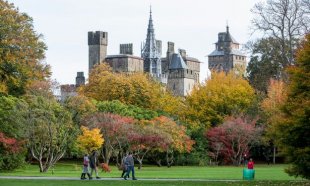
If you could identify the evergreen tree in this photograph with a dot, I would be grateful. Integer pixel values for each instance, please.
(295, 130)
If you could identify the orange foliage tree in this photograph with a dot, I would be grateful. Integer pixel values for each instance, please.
(180, 141)
(272, 108)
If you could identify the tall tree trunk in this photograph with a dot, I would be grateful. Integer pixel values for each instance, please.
(158, 162)
(169, 159)
(41, 166)
(140, 164)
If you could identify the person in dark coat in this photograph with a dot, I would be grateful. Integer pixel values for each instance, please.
(130, 162)
(124, 166)
(93, 163)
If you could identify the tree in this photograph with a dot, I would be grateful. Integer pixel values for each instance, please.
(117, 107)
(232, 139)
(220, 96)
(265, 63)
(271, 106)
(80, 106)
(12, 127)
(49, 130)
(21, 51)
(115, 130)
(132, 89)
(147, 138)
(180, 141)
(294, 138)
(284, 20)
(89, 140)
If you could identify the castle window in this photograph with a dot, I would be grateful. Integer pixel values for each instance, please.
(173, 86)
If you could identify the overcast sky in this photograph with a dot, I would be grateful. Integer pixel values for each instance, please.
(191, 25)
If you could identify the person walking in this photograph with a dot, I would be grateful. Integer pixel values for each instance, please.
(93, 163)
(85, 168)
(124, 166)
(130, 168)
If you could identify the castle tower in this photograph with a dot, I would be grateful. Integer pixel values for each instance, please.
(80, 79)
(151, 51)
(126, 49)
(97, 44)
(227, 55)
(181, 79)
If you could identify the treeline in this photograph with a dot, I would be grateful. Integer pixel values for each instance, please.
(221, 120)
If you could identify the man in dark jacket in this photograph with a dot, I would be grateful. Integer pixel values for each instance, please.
(130, 166)
(124, 166)
(93, 162)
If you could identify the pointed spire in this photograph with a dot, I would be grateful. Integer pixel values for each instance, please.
(150, 26)
(228, 37)
(150, 52)
(227, 27)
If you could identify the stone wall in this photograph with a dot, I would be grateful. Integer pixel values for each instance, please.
(125, 63)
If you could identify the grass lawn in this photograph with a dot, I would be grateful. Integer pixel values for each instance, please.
(5, 182)
(262, 172)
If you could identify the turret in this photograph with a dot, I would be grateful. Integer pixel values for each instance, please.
(97, 44)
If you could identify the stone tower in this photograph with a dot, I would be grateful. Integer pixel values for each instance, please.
(126, 49)
(227, 55)
(181, 80)
(80, 79)
(170, 51)
(97, 44)
(151, 51)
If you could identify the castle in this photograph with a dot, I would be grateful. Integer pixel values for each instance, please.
(178, 72)
(227, 55)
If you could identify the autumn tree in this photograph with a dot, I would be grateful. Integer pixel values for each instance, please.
(132, 89)
(294, 138)
(232, 139)
(146, 139)
(115, 130)
(89, 140)
(220, 96)
(180, 141)
(12, 126)
(21, 51)
(272, 108)
(80, 106)
(49, 130)
(43, 88)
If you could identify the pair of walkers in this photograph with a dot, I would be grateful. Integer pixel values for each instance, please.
(128, 166)
(92, 162)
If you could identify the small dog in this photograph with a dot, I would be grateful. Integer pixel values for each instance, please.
(105, 167)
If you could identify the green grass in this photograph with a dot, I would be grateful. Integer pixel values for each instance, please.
(262, 172)
(7, 182)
